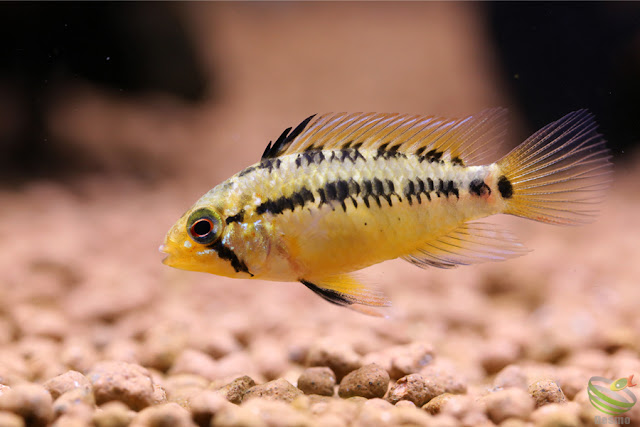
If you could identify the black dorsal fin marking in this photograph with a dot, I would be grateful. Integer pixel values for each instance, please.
(466, 141)
(285, 139)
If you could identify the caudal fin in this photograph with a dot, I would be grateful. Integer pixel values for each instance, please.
(559, 173)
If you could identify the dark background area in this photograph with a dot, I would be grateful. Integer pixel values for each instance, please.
(552, 58)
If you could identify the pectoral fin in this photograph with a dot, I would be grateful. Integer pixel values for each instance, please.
(471, 243)
(345, 291)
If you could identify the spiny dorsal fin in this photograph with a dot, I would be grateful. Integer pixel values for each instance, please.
(285, 140)
(469, 139)
(471, 243)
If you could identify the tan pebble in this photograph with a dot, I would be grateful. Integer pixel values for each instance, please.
(465, 408)
(162, 345)
(377, 402)
(498, 353)
(330, 420)
(508, 403)
(511, 376)
(215, 345)
(514, 422)
(545, 392)
(556, 414)
(159, 395)
(195, 362)
(317, 380)
(442, 420)
(414, 388)
(113, 414)
(405, 415)
(277, 413)
(434, 406)
(339, 357)
(68, 401)
(174, 382)
(269, 358)
(125, 382)
(369, 381)
(347, 409)
(167, 414)
(405, 404)
(32, 320)
(125, 350)
(9, 419)
(74, 419)
(279, 389)
(236, 389)
(70, 380)
(410, 359)
(374, 417)
(438, 375)
(572, 380)
(183, 395)
(235, 416)
(205, 405)
(238, 364)
(32, 402)
(78, 355)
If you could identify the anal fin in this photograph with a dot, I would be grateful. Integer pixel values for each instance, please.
(471, 243)
(345, 291)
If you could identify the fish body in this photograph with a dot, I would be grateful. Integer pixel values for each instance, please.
(347, 191)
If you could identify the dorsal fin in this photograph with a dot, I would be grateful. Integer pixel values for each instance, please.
(469, 139)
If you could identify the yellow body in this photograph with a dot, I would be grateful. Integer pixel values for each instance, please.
(349, 191)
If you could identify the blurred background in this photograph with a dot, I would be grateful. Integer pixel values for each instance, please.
(116, 117)
(165, 90)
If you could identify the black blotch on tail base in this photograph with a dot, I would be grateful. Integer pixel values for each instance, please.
(505, 187)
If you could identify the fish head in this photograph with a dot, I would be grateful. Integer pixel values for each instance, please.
(199, 241)
(619, 384)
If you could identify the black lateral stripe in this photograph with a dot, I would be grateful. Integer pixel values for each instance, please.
(337, 193)
(334, 297)
(239, 217)
(479, 188)
(227, 254)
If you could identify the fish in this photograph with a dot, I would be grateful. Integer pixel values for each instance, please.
(341, 192)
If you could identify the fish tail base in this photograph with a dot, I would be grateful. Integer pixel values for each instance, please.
(559, 174)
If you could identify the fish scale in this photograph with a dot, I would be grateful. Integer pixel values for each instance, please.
(343, 191)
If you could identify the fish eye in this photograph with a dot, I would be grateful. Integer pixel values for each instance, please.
(204, 226)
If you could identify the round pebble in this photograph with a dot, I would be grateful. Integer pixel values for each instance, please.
(317, 380)
(414, 388)
(125, 382)
(340, 358)
(545, 392)
(32, 402)
(68, 381)
(369, 381)
(508, 403)
(279, 389)
(236, 389)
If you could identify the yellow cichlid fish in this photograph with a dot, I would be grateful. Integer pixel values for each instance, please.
(345, 191)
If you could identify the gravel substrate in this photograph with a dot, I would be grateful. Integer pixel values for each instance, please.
(89, 337)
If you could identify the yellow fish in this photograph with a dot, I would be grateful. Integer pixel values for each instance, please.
(344, 191)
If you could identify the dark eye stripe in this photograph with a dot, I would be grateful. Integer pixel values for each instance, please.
(228, 254)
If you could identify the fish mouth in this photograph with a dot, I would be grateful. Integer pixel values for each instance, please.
(164, 249)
